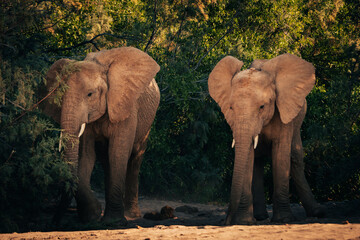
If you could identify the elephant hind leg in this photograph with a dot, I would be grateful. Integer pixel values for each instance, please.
(312, 208)
(132, 209)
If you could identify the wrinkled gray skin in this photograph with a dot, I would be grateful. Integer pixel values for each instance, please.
(265, 103)
(114, 92)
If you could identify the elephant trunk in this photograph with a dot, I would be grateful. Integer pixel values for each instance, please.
(72, 119)
(71, 151)
(70, 124)
(242, 174)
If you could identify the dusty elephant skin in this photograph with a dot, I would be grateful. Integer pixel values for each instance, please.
(114, 92)
(265, 106)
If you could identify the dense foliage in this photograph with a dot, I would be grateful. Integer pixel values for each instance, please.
(189, 154)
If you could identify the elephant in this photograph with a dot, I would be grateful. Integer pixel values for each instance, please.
(115, 94)
(264, 106)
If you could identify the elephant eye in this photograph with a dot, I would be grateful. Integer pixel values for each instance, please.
(231, 107)
(89, 95)
(262, 106)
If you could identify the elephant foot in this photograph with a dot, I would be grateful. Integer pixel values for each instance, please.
(114, 218)
(240, 220)
(114, 221)
(133, 212)
(261, 216)
(260, 212)
(317, 211)
(90, 211)
(283, 217)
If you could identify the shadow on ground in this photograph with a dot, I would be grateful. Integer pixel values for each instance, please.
(194, 214)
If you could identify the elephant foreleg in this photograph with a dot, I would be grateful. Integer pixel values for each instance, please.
(281, 151)
(120, 148)
(312, 208)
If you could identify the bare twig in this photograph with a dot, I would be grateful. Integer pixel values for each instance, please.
(15, 104)
(179, 32)
(164, 89)
(8, 159)
(35, 105)
(56, 22)
(196, 96)
(185, 99)
(211, 48)
(229, 23)
(154, 30)
(92, 42)
(11, 154)
(8, 46)
(202, 80)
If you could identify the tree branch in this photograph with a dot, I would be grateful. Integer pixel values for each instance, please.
(211, 48)
(92, 42)
(154, 30)
(8, 159)
(16, 105)
(35, 105)
(217, 42)
(179, 33)
(8, 46)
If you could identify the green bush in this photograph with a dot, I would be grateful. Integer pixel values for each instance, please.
(189, 154)
(31, 170)
(332, 138)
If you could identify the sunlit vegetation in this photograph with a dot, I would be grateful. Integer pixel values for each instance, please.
(189, 154)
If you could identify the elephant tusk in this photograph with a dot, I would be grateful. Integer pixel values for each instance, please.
(82, 129)
(60, 141)
(233, 143)
(256, 140)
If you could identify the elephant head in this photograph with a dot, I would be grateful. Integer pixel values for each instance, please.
(106, 83)
(250, 98)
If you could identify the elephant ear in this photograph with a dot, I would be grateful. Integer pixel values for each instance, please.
(53, 78)
(294, 79)
(130, 71)
(219, 83)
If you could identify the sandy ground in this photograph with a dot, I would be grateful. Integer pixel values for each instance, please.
(342, 222)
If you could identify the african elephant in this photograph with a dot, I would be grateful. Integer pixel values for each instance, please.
(114, 92)
(265, 106)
